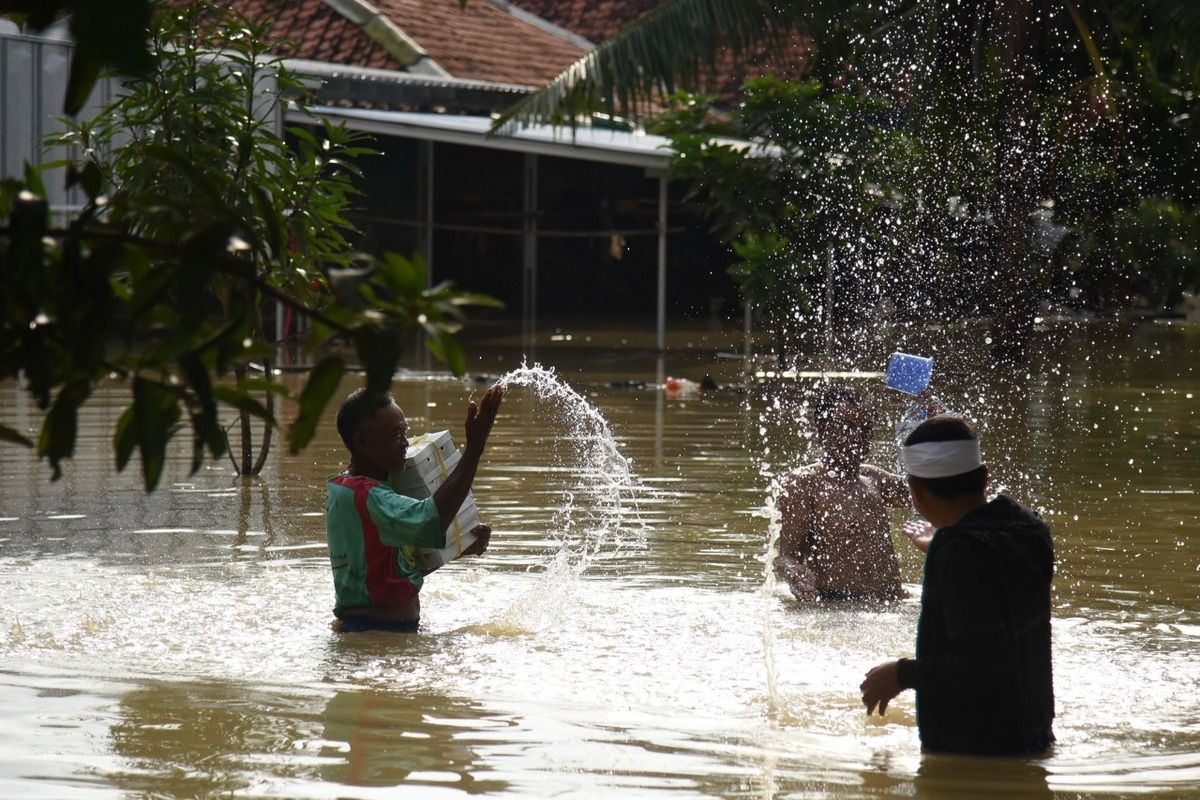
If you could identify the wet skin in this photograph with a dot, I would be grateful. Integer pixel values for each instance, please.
(835, 529)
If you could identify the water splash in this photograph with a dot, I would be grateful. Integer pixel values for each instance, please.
(599, 510)
(775, 705)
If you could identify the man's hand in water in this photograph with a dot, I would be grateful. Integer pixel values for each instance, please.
(481, 417)
(483, 535)
(800, 579)
(880, 686)
(919, 532)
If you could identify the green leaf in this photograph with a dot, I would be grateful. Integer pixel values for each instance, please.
(85, 69)
(91, 179)
(476, 299)
(322, 383)
(445, 348)
(33, 180)
(8, 434)
(204, 420)
(114, 32)
(264, 385)
(270, 217)
(57, 439)
(156, 412)
(670, 46)
(407, 277)
(125, 438)
(243, 402)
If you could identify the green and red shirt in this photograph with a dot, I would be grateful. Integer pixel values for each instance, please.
(373, 534)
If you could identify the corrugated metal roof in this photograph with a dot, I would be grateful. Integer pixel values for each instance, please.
(590, 144)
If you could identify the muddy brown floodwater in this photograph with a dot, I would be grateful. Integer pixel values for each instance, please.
(177, 644)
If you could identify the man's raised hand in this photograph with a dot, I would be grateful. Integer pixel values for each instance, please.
(481, 417)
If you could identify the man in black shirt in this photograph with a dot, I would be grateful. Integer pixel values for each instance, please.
(982, 669)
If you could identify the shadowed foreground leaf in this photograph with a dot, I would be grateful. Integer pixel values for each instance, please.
(322, 383)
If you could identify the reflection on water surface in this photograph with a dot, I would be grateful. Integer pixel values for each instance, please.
(177, 644)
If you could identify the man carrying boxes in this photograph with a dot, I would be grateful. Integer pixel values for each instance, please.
(382, 543)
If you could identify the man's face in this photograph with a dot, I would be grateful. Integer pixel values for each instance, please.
(845, 435)
(382, 442)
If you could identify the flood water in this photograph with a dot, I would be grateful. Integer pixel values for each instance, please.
(178, 644)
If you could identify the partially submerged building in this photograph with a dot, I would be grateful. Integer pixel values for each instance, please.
(559, 224)
(555, 222)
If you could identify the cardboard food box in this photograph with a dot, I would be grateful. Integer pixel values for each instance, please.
(430, 459)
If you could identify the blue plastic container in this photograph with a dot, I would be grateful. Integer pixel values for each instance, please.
(909, 374)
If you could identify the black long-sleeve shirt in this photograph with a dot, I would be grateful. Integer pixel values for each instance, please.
(982, 669)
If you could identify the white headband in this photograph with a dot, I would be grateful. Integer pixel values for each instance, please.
(941, 459)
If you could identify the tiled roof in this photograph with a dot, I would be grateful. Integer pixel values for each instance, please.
(596, 20)
(310, 29)
(482, 41)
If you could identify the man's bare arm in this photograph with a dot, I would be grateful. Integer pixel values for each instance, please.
(892, 488)
(795, 538)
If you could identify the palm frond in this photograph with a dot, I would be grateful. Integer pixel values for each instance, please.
(1164, 25)
(669, 47)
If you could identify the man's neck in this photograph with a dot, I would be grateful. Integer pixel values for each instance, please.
(840, 469)
(952, 510)
(365, 472)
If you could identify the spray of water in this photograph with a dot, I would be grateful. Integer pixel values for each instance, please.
(598, 516)
(767, 594)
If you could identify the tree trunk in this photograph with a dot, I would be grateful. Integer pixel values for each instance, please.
(267, 427)
(1020, 167)
(246, 466)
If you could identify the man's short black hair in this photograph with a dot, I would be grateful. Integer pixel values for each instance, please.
(832, 395)
(949, 428)
(358, 407)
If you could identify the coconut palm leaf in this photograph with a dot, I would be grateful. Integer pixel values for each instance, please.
(1170, 28)
(670, 46)
(673, 45)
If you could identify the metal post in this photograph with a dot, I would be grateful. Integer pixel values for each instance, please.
(529, 252)
(660, 401)
(4, 103)
(425, 204)
(662, 262)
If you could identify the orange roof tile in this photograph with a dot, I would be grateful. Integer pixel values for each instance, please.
(482, 41)
(310, 29)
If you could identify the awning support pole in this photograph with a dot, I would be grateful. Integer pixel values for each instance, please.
(662, 262)
(529, 252)
(425, 203)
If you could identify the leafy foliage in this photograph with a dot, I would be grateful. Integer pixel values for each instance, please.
(666, 50)
(824, 174)
(198, 211)
(1008, 106)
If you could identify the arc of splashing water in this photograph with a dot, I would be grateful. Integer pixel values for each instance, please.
(608, 476)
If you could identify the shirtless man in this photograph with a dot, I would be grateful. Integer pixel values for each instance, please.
(835, 542)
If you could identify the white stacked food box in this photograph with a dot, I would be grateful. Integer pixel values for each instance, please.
(430, 460)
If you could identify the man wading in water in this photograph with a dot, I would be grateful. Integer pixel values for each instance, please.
(834, 540)
(982, 670)
(373, 532)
